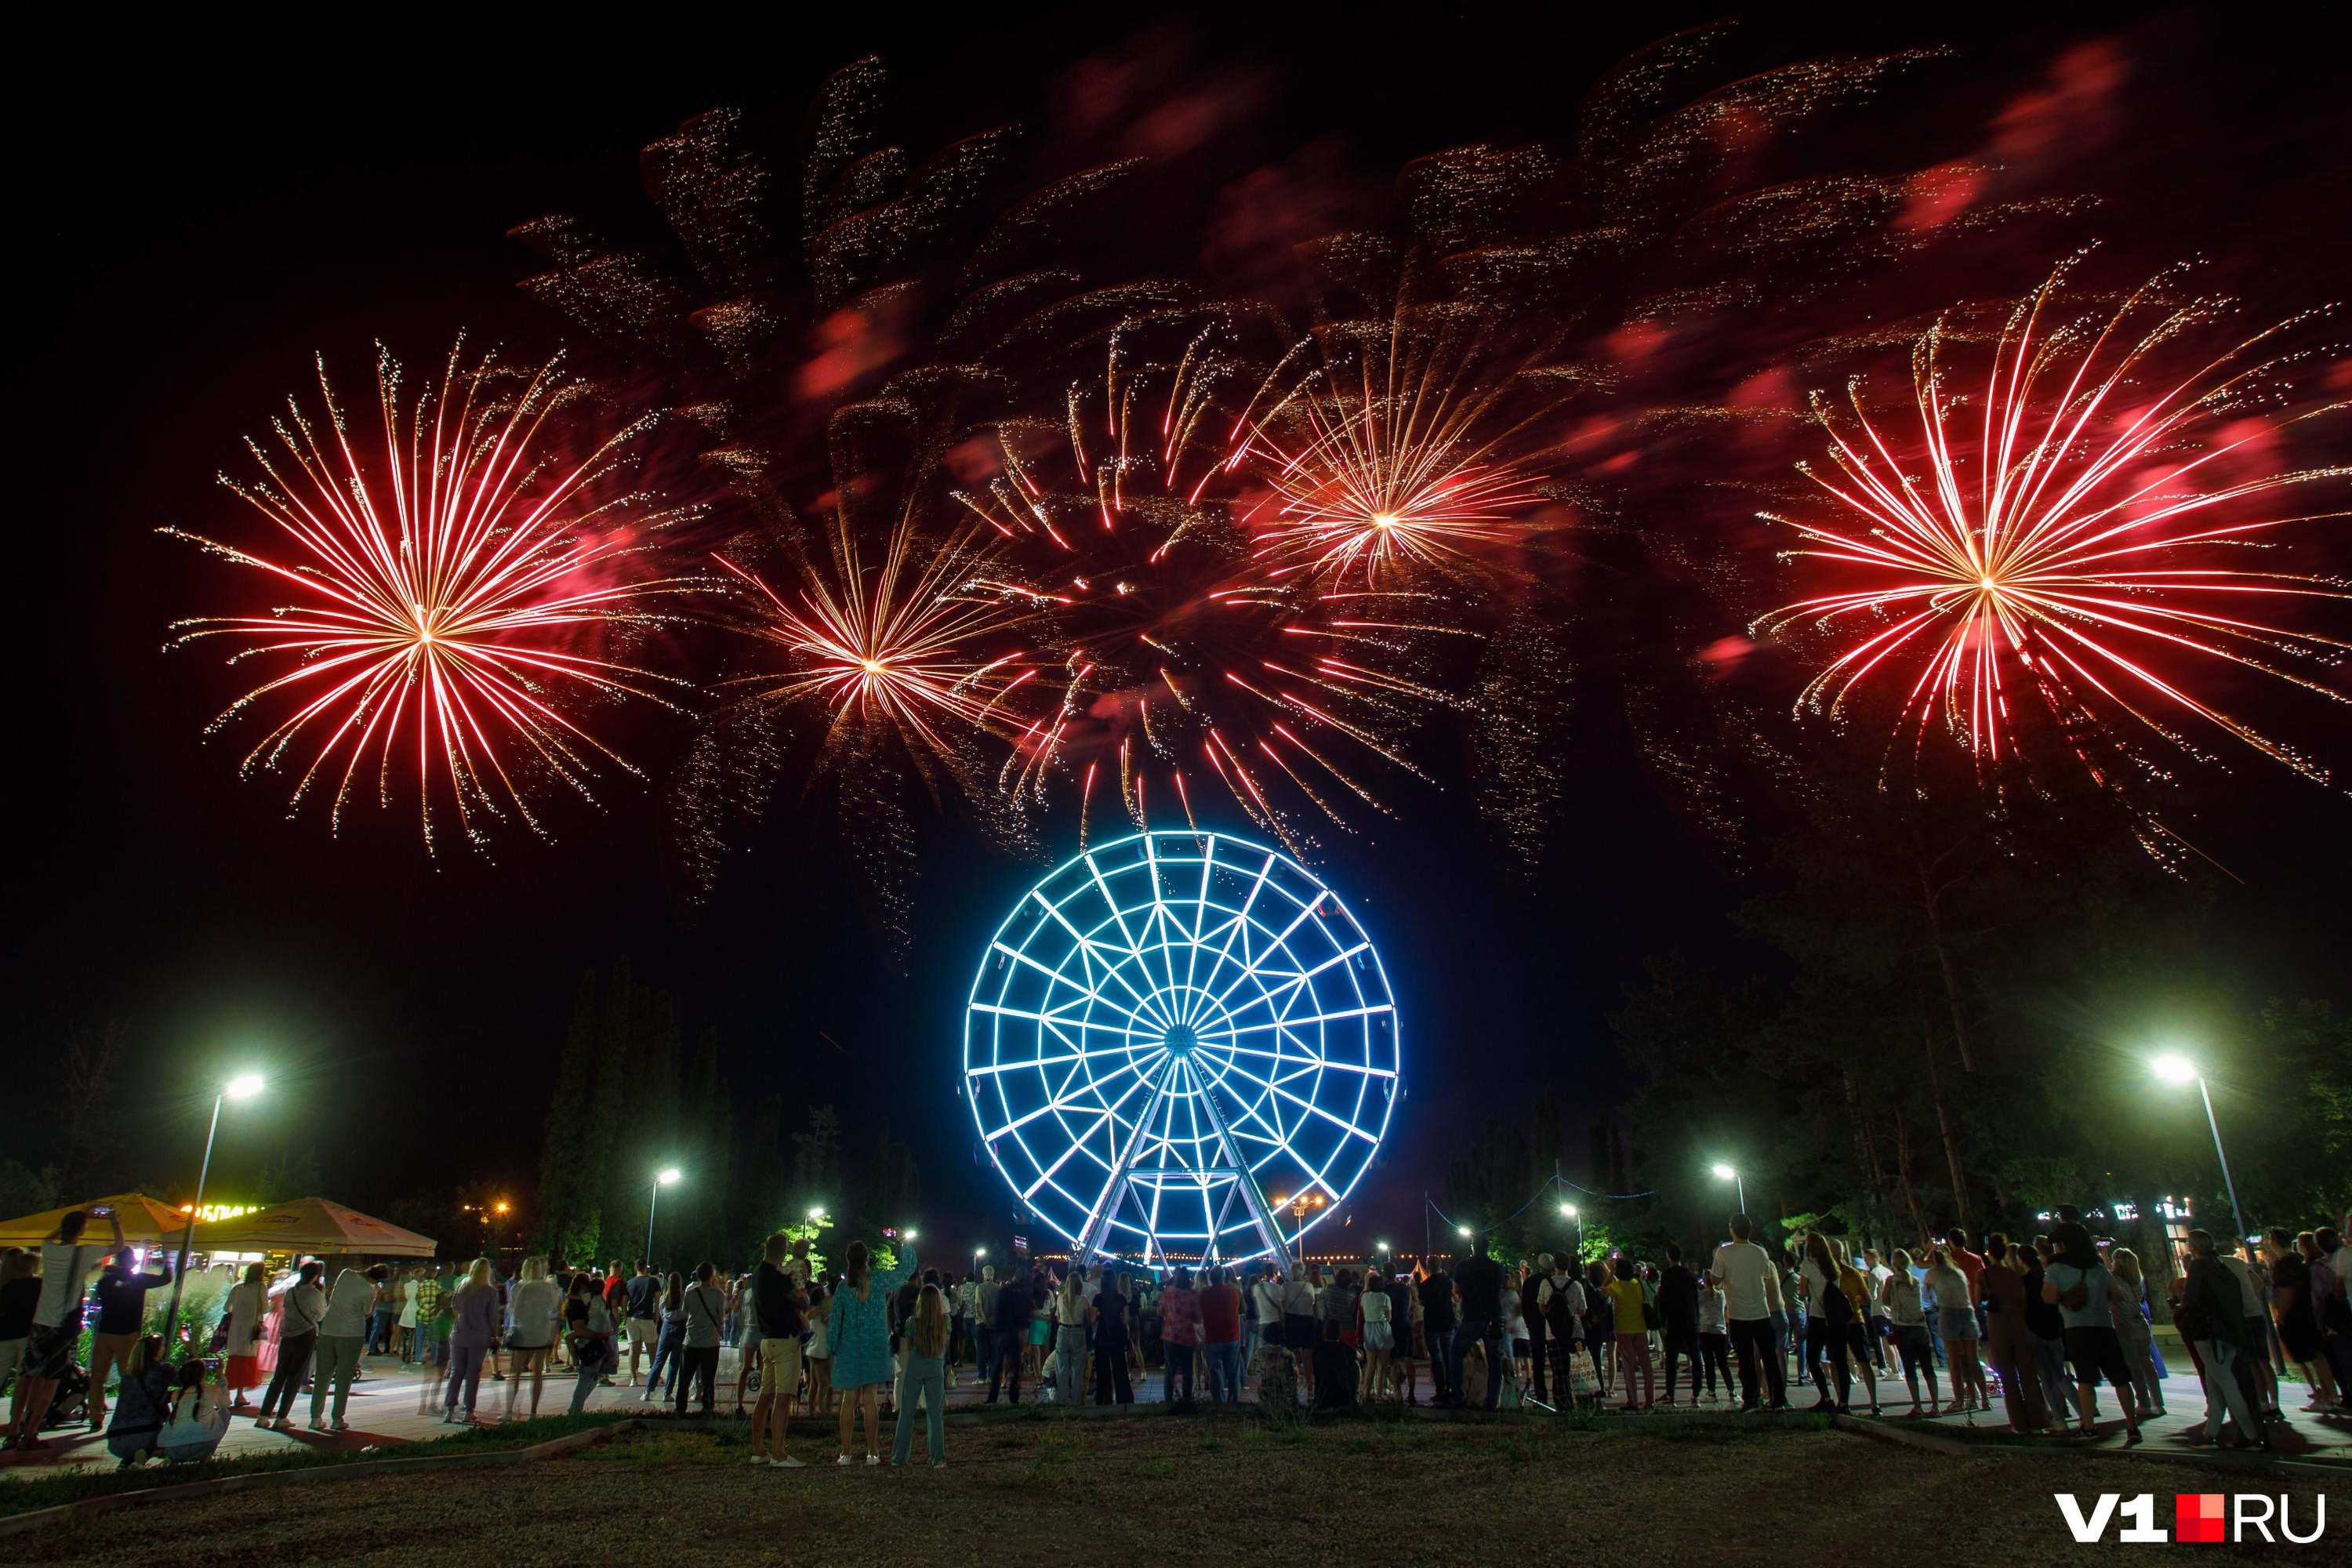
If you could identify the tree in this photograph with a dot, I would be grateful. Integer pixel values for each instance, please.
(290, 1176)
(816, 1159)
(23, 1190)
(86, 1109)
(572, 1153)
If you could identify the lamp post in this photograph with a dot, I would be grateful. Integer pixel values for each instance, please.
(244, 1085)
(661, 1179)
(2174, 1067)
(1568, 1212)
(1725, 1173)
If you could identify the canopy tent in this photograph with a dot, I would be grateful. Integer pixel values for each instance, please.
(146, 1222)
(315, 1225)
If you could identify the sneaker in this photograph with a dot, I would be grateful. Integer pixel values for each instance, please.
(337, 1424)
(787, 1463)
(873, 1459)
(317, 1425)
(939, 1464)
(759, 1458)
(843, 1460)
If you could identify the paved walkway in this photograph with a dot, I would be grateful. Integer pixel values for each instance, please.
(393, 1405)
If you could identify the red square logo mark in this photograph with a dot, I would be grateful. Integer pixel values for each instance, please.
(2199, 1515)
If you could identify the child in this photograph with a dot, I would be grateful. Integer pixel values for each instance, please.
(819, 1354)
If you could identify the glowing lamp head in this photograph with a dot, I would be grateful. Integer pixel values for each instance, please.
(244, 1085)
(1568, 1211)
(1464, 1230)
(1725, 1173)
(909, 1233)
(817, 1213)
(979, 1252)
(668, 1177)
(2174, 1067)
(1381, 1246)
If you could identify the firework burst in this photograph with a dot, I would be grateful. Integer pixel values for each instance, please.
(447, 589)
(1394, 459)
(1181, 660)
(900, 646)
(2072, 545)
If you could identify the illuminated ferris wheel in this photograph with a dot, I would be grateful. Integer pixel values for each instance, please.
(1182, 1045)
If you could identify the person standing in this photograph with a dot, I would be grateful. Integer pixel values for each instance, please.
(2133, 1328)
(533, 1314)
(304, 1305)
(1678, 1316)
(1564, 1309)
(474, 1317)
(1109, 1317)
(121, 1317)
(925, 1380)
(2297, 1318)
(1478, 1280)
(779, 1308)
(2086, 1294)
(1265, 1315)
(1180, 1335)
(1630, 1326)
(642, 1295)
(1752, 1294)
(66, 1264)
(984, 1324)
(859, 1340)
(341, 1333)
(2210, 1318)
(1012, 1306)
(1714, 1343)
(409, 1292)
(705, 1303)
(2009, 1338)
(1070, 1339)
(240, 1333)
(20, 1292)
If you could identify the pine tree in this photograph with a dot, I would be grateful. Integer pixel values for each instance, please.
(708, 1128)
(816, 1159)
(571, 1171)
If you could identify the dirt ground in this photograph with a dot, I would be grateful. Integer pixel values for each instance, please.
(1180, 1490)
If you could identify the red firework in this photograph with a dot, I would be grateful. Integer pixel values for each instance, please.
(2070, 543)
(445, 589)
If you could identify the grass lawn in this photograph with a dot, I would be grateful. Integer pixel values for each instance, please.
(1173, 1491)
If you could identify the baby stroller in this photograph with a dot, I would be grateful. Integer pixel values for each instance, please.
(70, 1407)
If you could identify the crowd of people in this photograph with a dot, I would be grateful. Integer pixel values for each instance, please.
(1944, 1326)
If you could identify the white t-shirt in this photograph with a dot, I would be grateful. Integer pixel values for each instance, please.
(66, 1268)
(1299, 1298)
(348, 1306)
(1751, 1288)
(1376, 1305)
(1817, 1285)
(1265, 1300)
(532, 1309)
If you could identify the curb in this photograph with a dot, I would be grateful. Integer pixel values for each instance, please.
(2208, 1458)
(82, 1508)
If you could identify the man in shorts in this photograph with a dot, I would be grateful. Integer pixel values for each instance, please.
(2086, 1296)
(778, 1310)
(642, 1294)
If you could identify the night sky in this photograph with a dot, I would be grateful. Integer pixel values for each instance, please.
(198, 224)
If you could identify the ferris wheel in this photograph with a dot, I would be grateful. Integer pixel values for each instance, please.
(1182, 1045)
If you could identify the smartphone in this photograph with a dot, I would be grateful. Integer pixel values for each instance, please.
(101, 1211)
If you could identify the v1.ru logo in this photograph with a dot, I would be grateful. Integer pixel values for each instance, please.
(2198, 1516)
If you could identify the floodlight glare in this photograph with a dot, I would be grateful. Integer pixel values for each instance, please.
(244, 1085)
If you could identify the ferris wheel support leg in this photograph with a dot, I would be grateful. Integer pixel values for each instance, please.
(1245, 1182)
(1114, 1192)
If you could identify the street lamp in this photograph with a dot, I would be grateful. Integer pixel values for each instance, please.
(1725, 1173)
(1568, 1212)
(2173, 1067)
(244, 1085)
(662, 1179)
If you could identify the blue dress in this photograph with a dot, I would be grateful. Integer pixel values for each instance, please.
(860, 1330)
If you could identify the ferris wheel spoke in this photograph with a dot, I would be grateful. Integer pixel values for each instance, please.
(1243, 918)
(1106, 1115)
(1308, 1106)
(1086, 994)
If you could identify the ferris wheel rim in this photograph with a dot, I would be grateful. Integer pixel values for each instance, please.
(1165, 1068)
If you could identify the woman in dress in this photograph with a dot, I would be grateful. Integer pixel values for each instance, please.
(241, 1334)
(860, 1342)
(407, 1324)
